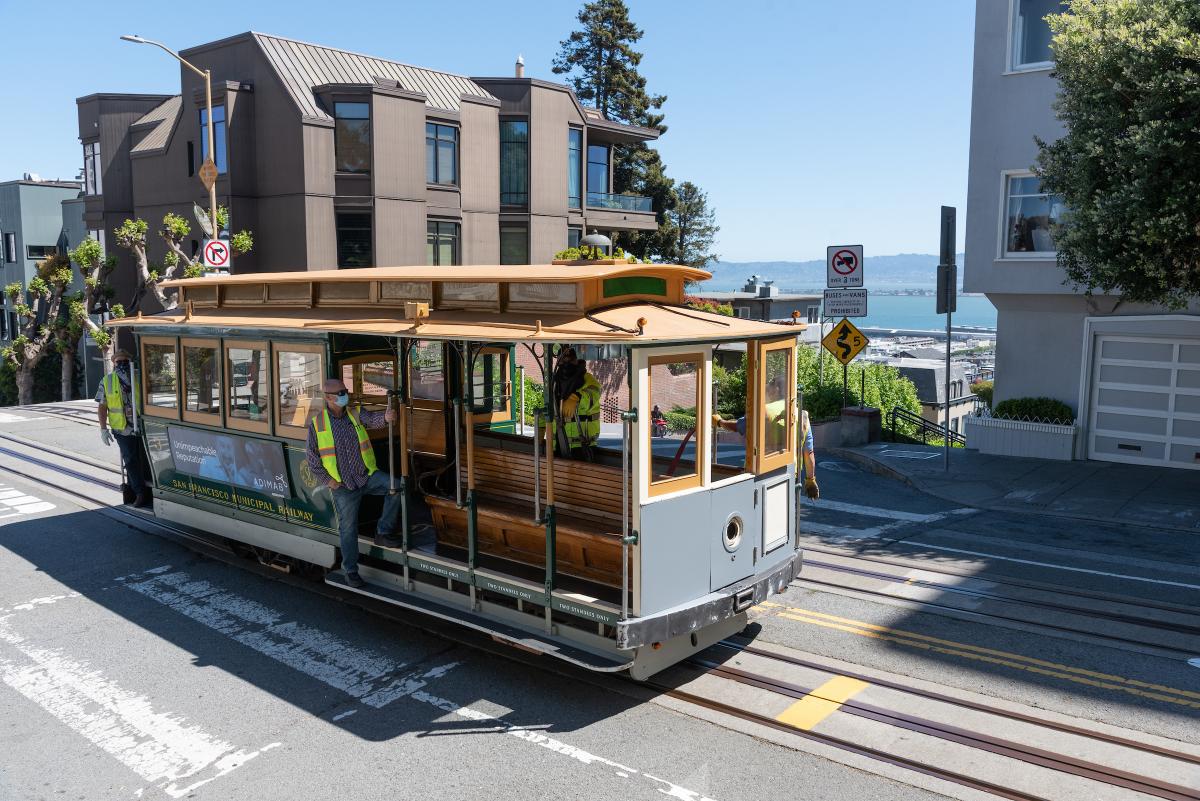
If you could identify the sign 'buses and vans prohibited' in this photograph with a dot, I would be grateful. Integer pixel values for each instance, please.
(844, 303)
(844, 265)
(217, 254)
(845, 341)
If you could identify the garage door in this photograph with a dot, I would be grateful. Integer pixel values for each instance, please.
(1145, 404)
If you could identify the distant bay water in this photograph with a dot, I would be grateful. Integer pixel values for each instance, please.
(919, 311)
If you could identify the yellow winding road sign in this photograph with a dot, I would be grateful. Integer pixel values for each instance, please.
(845, 341)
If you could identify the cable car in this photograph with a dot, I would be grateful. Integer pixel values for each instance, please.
(642, 547)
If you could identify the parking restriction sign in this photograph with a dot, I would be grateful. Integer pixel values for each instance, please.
(217, 254)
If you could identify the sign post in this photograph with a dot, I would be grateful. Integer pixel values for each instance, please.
(947, 300)
(845, 342)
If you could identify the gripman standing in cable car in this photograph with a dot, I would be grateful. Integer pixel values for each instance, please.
(340, 455)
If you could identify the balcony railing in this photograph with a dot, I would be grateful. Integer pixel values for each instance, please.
(603, 200)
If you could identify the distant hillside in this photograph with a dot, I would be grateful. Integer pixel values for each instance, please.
(903, 269)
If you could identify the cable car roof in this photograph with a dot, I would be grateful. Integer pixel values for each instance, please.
(592, 301)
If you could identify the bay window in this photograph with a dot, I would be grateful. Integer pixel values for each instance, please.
(1029, 216)
(514, 163)
(441, 154)
(91, 169)
(221, 158)
(352, 136)
(574, 167)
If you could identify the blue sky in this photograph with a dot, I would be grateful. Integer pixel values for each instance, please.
(808, 122)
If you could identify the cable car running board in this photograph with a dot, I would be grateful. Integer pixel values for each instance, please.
(499, 632)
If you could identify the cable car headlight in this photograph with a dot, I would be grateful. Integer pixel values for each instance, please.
(731, 538)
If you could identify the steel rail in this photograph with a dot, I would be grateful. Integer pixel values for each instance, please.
(1033, 755)
(1164, 649)
(1011, 581)
(933, 695)
(1082, 611)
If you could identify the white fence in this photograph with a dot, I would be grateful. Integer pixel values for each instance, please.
(1020, 438)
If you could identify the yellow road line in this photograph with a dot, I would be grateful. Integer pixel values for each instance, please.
(1091, 678)
(821, 702)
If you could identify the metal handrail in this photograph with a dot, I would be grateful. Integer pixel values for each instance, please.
(924, 426)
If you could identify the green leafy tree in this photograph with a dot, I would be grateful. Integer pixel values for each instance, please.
(40, 313)
(176, 263)
(602, 67)
(820, 376)
(1129, 90)
(695, 227)
(96, 269)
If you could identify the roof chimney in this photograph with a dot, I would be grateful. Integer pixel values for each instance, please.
(520, 65)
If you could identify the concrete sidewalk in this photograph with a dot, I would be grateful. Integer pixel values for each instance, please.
(1102, 491)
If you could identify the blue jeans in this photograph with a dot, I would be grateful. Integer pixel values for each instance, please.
(347, 501)
(134, 462)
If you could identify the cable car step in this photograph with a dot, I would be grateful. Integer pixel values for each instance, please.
(500, 632)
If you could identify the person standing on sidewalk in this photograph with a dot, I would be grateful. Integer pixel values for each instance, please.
(117, 398)
(340, 455)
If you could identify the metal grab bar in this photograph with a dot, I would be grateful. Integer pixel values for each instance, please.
(537, 466)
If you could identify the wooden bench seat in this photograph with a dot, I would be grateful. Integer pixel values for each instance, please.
(587, 506)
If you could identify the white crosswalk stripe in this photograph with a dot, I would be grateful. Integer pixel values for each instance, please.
(15, 502)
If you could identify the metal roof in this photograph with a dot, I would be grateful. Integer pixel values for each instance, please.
(163, 117)
(302, 66)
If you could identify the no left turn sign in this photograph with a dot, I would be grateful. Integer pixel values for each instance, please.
(217, 254)
(844, 265)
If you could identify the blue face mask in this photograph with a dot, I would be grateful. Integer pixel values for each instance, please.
(343, 399)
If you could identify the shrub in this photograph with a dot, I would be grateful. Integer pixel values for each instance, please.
(821, 377)
(983, 389)
(1037, 410)
(680, 420)
(579, 254)
(700, 304)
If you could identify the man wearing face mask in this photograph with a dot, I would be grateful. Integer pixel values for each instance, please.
(340, 456)
(117, 397)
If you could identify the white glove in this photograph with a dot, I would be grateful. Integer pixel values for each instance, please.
(106, 437)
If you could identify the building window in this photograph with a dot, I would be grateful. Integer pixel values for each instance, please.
(191, 159)
(1031, 34)
(3, 324)
(352, 136)
(441, 154)
(441, 243)
(1029, 215)
(40, 251)
(514, 163)
(574, 234)
(814, 314)
(353, 239)
(514, 244)
(91, 169)
(221, 157)
(743, 312)
(574, 169)
(10, 248)
(597, 169)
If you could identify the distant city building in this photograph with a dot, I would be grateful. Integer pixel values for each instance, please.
(340, 160)
(929, 377)
(37, 218)
(762, 300)
(1131, 372)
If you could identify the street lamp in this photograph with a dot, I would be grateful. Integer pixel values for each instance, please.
(207, 76)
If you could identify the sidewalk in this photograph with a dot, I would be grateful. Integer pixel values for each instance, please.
(1138, 495)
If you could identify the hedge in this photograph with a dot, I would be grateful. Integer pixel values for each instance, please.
(1035, 410)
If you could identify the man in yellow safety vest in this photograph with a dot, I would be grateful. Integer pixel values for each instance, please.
(340, 455)
(577, 393)
(117, 398)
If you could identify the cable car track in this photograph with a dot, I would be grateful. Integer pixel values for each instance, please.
(1059, 762)
(1028, 754)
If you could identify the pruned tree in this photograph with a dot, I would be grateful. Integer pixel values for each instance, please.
(602, 68)
(96, 269)
(695, 226)
(177, 263)
(40, 320)
(1126, 167)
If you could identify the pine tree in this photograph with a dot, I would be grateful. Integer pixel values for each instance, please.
(602, 68)
(695, 227)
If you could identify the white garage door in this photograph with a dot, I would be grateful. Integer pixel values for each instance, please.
(1145, 404)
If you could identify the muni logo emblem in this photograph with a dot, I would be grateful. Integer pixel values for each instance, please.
(845, 341)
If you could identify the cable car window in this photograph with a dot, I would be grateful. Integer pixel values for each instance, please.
(674, 440)
(246, 378)
(489, 381)
(774, 435)
(369, 381)
(160, 367)
(425, 371)
(201, 382)
(298, 377)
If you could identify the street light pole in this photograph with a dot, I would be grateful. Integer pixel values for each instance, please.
(207, 76)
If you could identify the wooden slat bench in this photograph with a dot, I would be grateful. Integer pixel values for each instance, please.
(587, 502)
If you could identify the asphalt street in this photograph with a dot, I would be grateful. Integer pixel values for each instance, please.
(133, 667)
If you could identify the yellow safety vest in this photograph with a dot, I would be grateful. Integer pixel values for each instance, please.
(587, 415)
(328, 451)
(115, 403)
